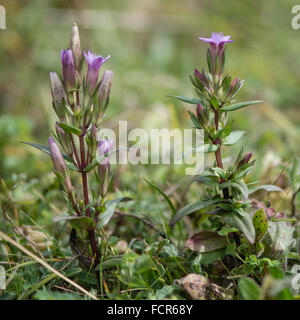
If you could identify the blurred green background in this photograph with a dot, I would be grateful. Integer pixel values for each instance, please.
(154, 47)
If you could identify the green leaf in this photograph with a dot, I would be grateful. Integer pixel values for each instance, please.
(240, 105)
(225, 231)
(243, 223)
(79, 222)
(45, 149)
(249, 289)
(91, 166)
(208, 258)
(260, 222)
(104, 217)
(266, 187)
(192, 208)
(240, 185)
(214, 102)
(208, 180)
(70, 129)
(205, 241)
(111, 262)
(194, 119)
(187, 100)
(207, 148)
(220, 172)
(280, 236)
(226, 82)
(233, 137)
(163, 194)
(204, 148)
(209, 60)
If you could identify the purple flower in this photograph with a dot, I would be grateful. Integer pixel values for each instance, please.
(217, 39)
(68, 67)
(217, 42)
(94, 63)
(104, 147)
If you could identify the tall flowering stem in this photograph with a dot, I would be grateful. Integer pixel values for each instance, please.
(227, 186)
(80, 100)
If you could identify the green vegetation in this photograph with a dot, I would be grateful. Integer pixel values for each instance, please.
(230, 233)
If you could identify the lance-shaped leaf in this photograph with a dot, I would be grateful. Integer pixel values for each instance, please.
(194, 119)
(208, 180)
(239, 185)
(204, 148)
(233, 137)
(163, 194)
(240, 105)
(110, 262)
(243, 223)
(110, 206)
(45, 149)
(70, 129)
(187, 100)
(266, 187)
(205, 241)
(86, 223)
(192, 208)
(249, 289)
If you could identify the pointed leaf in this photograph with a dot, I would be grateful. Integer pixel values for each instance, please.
(243, 223)
(70, 129)
(233, 137)
(205, 241)
(187, 100)
(45, 149)
(104, 217)
(192, 208)
(164, 195)
(240, 105)
(249, 289)
(266, 187)
(79, 222)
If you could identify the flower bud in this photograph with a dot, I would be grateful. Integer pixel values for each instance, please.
(59, 96)
(200, 76)
(103, 94)
(68, 68)
(64, 140)
(235, 86)
(245, 160)
(75, 46)
(92, 141)
(60, 165)
(201, 114)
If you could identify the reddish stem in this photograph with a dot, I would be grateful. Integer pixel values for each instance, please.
(218, 154)
(85, 188)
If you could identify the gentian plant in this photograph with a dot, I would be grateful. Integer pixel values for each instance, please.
(80, 101)
(237, 225)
